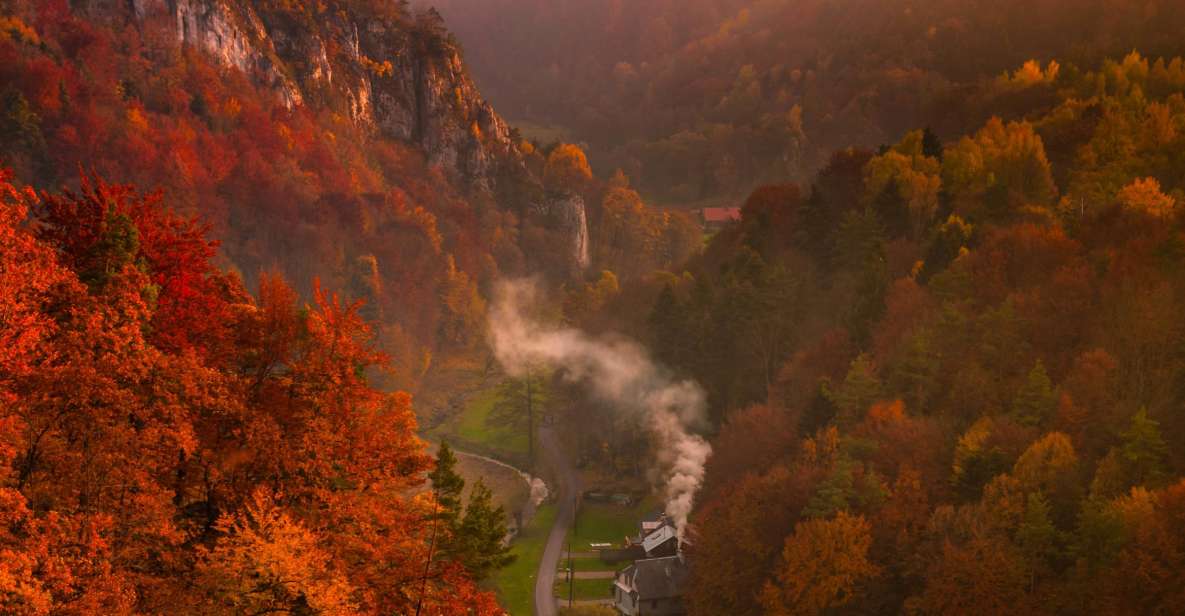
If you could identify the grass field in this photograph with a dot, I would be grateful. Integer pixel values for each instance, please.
(586, 564)
(584, 589)
(469, 431)
(608, 523)
(515, 584)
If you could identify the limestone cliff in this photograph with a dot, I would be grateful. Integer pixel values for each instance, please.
(395, 73)
(566, 212)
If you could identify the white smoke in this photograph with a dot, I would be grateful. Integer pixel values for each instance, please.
(619, 371)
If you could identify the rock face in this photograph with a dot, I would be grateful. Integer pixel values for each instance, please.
(566, 212)
(396, 74)
(579, 225)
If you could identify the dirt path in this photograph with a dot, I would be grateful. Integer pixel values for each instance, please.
(595, 575)
(582, 602)
(568, 486)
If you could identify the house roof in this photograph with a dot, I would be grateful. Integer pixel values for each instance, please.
(721, 214)
(655, 578)
(655, 517)
(659, 536)
(651, 522)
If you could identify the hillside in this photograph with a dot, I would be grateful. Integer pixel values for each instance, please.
(235, 234)
(255, 253)
(344, 143)
(945, 376)
(706, 99)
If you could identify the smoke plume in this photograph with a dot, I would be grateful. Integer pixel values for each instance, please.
(622, 374)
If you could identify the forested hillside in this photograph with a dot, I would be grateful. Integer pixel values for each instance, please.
(232, 233)
(705, 99)
(947, 375)
(170, 444)
(340, 141)
(935, 367)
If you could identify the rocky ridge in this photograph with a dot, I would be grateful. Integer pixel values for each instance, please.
(398, 74)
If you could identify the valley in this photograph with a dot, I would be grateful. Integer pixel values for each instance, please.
(773, 307)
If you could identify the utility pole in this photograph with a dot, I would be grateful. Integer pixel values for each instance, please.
(431, 547)
(571, 575)
(530, 421)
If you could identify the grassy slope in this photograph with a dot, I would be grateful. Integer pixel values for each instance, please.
(469, 431)
(516, 584)
(471, 427)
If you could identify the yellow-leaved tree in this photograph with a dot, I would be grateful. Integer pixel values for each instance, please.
(1144, 195)
(567, 168)
(824, 564)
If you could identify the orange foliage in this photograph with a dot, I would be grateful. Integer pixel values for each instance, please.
(824, 563)
(144, 472)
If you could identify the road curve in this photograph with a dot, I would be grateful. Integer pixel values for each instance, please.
(567, 488)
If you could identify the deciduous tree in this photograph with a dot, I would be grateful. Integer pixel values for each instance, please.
(823, 566)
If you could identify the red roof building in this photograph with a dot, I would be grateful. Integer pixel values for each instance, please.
(714, 218)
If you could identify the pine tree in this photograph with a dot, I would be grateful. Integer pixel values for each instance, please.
(835, 493)
(1035, 402)
(859, 390)
(474, 539)
(931, 144)
(447, 485)
(1144, 450)
(947, 242)
(1036, 536)
(518, 407)
(859, 252)
(666, 322)
(479, 541)
(916, 373)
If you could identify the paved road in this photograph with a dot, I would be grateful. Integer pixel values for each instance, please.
(568, 487)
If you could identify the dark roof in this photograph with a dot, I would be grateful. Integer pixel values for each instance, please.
(657, 578)
(648, 524)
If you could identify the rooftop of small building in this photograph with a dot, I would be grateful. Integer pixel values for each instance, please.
(655, 578)
(721, 214)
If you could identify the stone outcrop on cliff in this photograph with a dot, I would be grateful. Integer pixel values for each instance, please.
(398, 74)
(566, 212)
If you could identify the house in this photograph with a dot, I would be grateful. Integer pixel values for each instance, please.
(652, 587)
(662, 541)
(656, 537)
(654, 584)
(716, 218)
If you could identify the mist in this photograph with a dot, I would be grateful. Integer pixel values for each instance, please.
(620, 373)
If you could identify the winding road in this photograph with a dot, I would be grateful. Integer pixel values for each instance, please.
(567, 488)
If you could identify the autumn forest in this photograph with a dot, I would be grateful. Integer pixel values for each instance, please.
(388, 307)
